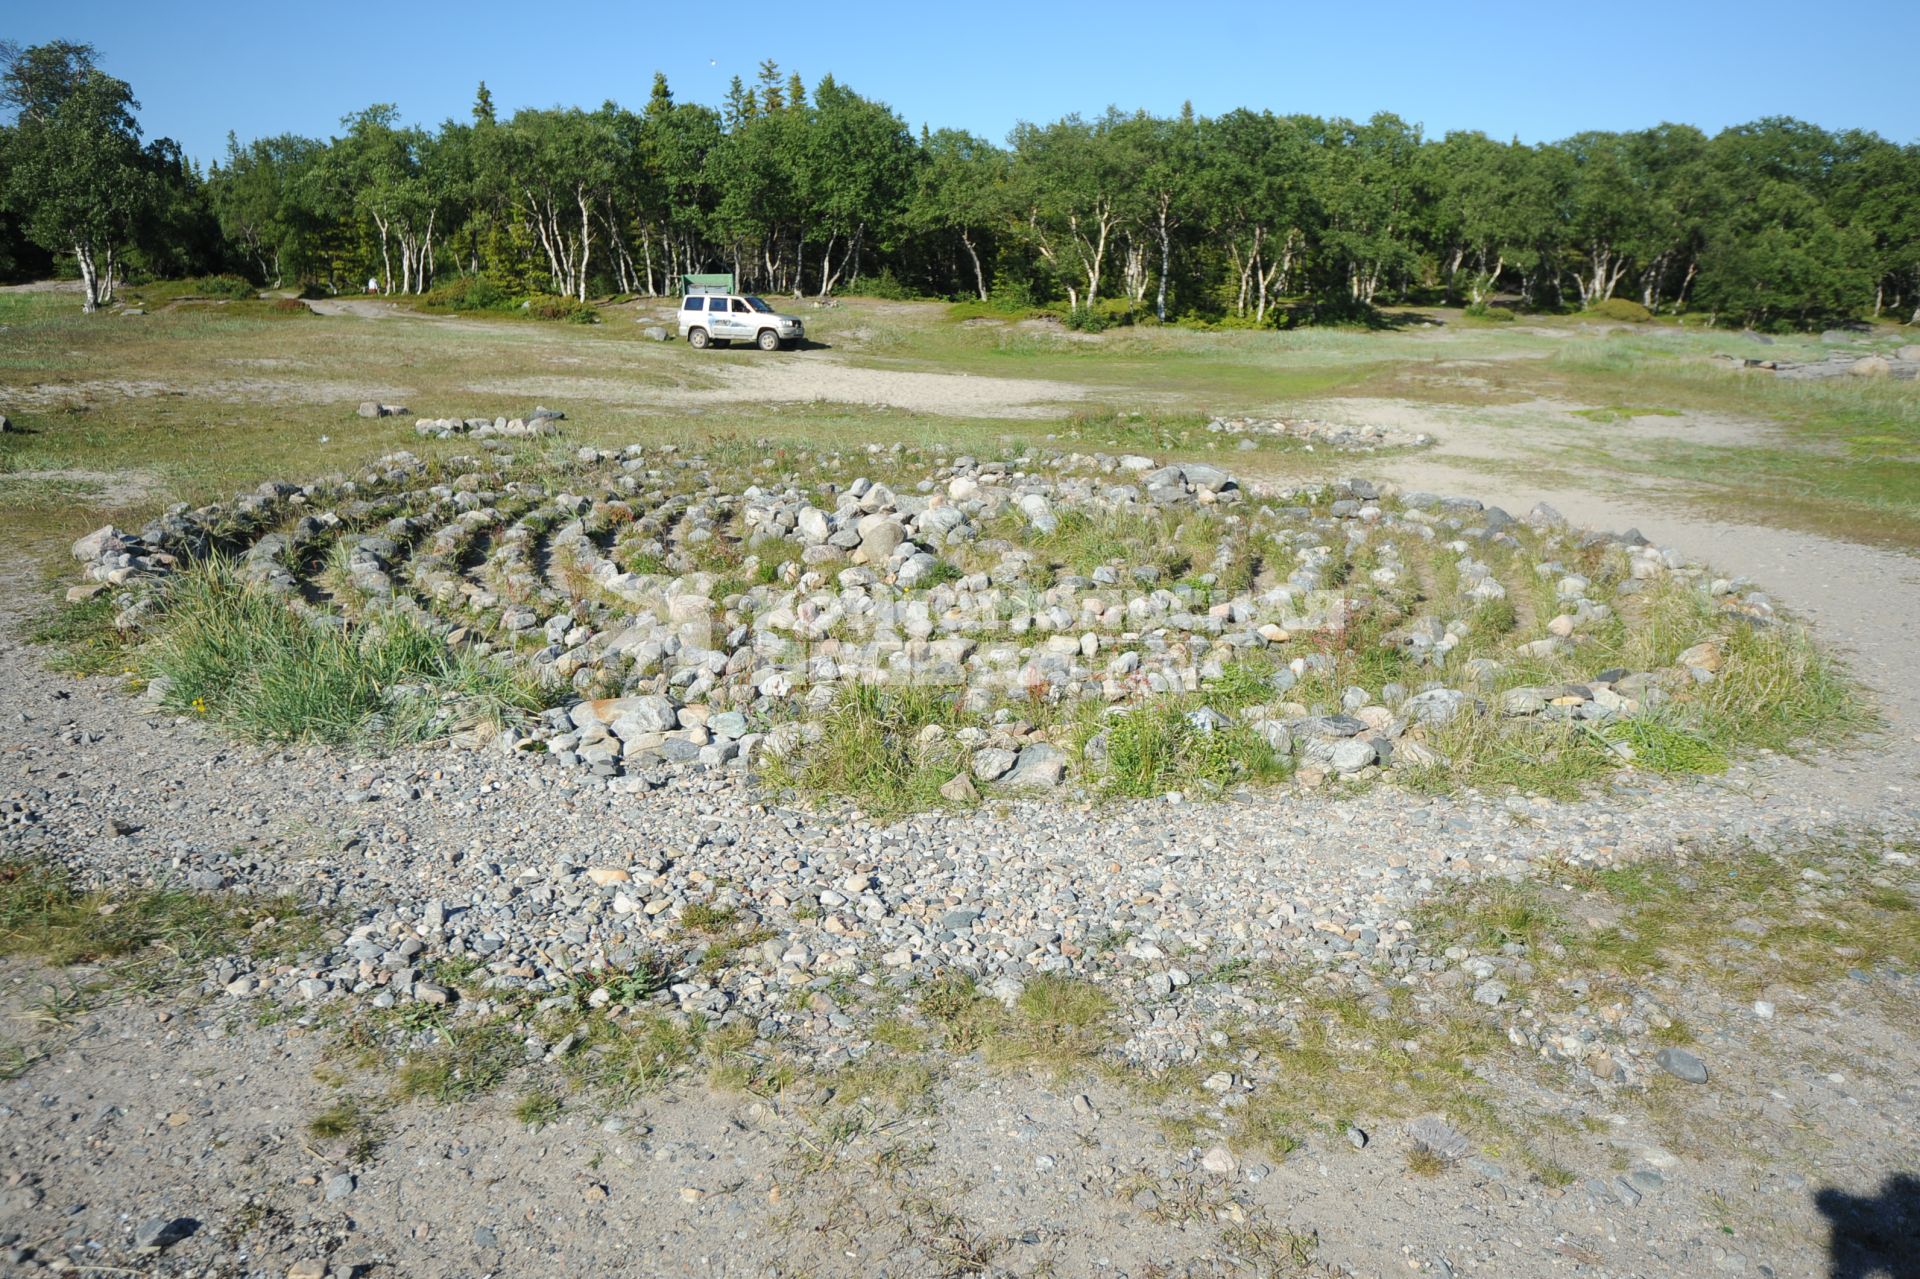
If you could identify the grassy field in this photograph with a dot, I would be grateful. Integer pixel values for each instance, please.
(1838, 456)
(115, 416)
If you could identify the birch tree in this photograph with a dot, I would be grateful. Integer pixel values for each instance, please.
(559, 166)
(1880, 193)
(1367, 192)
(75, 175)
(1165, 157)
(1071, 186)
(387, 170)
(258, 195)
(961, 192)
(1257, 179)
(857, 170)
(1776, 221)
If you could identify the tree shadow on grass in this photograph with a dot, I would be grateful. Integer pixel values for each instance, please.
(1873, 1236)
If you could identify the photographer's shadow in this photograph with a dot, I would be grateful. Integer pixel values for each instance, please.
(1874, 1236)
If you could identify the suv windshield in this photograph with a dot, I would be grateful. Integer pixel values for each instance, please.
(760, 306)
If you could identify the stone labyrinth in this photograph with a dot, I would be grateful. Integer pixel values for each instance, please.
(1024, 623)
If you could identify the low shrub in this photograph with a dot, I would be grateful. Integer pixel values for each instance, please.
(1486, 311)
(996, 309)
(222, 286)
(481, 293)
(1100, 316)
(1232, 323)
(571, 310)
(253, 308)
(1624, 310)
(468, 293)
(888, 288)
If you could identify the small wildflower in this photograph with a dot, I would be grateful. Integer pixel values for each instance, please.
(200, 706)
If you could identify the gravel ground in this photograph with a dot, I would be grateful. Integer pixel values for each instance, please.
(192, 1109)
(146, 1114)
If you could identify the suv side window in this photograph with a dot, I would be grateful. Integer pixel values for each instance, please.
(691, 304)
(738, 305)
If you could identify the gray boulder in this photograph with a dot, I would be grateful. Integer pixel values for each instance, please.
(1436, 706)
(991, 763)
(878, 542)
(1039, 513)
(1682, 1064)
(94, 544)
(813, 526)
(651, 713)
(1202, 476)
(1040, 767)
(1353, 754)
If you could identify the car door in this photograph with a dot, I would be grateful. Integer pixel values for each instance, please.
(738, 315)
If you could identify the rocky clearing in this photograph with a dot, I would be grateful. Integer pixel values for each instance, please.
(635, 1013)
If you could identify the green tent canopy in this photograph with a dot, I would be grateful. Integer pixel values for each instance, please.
(715, 283)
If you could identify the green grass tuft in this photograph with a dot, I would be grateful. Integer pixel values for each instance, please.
(1157, 749)
(354, 1124)
(462, 1064)
(705, 917)
(1665, 748)
(83, 636)
(1622, 413)
(1057, 1025)
(44, 917)
(537, 1109)
(871, 750)
(242, 658)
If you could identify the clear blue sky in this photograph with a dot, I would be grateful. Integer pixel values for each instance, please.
(1538, 70)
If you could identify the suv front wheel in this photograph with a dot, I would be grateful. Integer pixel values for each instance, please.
(769, 340)
(697, 339)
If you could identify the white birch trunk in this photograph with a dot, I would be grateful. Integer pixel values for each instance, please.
(979, 277)
(83, 255)
(1266, 278)
(826, 263)
(1166, 258)
(586, 241)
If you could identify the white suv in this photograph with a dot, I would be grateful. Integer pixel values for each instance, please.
(715, 319)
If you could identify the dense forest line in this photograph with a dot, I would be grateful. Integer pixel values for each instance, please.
(1246, 218)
